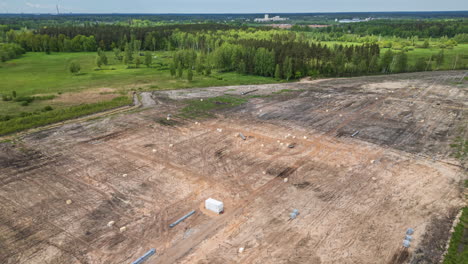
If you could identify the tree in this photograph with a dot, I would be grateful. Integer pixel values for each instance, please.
(374, 64)
(420, 64)
(439, 58)
(190, 75)
(148, 59)
(180, 71)
(199, 64)
(128, 57)
(74, 68)
(278, 72)
(288, 68)
(103, 57)
(173, 69)
(401, 63)
(117, 54)
(102, 45)
(386, 61)
(137, 61)
(425, 45)
(99, 61)
(208, 70)
(153, 41)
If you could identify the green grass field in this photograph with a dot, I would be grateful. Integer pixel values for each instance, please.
(38, 74)
(458, 247)
(450, 56)
(41, 74)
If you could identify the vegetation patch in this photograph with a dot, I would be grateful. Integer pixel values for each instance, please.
(203, 107)
(166, 122)
(458, 247)
(460, 148)
(49, 115)
(283, 91)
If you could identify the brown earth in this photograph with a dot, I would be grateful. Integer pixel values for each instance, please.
(356, 195)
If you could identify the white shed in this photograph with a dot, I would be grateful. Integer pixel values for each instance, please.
(214, 205)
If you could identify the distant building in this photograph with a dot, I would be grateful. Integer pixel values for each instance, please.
(267, 18)
(354, 20)
(288, 26)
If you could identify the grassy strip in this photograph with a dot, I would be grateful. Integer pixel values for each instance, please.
(458, 247)
(45, 118)
(460, 148)
(203, 107)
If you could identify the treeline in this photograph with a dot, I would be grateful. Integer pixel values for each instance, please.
(282, 60)
(108, 37)
(10, 51)
(111, 36)
(403, 29)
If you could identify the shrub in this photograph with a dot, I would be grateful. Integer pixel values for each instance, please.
(47, 108)
(74, 68)
(27, 99)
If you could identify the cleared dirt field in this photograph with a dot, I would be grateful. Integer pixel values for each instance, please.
(60, 188)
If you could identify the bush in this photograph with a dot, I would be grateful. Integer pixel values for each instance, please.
(10, 51)
(47, 108)
(4, 118)
(28, 99)
(74, 68)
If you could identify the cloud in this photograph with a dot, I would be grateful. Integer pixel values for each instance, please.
(38, 6)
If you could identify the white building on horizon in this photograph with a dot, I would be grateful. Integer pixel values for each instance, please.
(267, 18)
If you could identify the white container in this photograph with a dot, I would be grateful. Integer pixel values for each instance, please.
(214, 205)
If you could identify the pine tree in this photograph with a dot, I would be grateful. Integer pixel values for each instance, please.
(128, 57)
(288, 68)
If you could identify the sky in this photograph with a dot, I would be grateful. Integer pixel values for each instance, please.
(227, 6)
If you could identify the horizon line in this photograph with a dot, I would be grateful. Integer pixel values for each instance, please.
(228, 13)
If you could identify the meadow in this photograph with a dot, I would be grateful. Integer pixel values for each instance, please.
(55, 94)
(454, 58)
(39, 74)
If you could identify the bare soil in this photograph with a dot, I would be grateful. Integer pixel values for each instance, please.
(356, 196)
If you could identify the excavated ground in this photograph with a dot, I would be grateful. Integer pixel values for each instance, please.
(356, 195)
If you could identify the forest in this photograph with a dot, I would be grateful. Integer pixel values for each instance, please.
(261, 51)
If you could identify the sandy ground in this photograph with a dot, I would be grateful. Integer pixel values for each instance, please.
(88, 96)
(356, 196)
